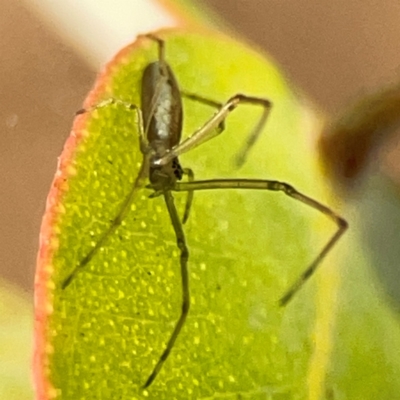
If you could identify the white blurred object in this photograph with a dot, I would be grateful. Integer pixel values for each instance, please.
(97, 29)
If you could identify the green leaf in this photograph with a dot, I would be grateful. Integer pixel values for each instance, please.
(101, 337)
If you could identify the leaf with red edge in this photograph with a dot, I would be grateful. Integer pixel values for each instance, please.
(101, 337)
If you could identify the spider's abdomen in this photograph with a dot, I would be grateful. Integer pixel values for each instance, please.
(161, 107)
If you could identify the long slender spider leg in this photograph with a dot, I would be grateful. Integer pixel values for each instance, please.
(189, 198)
(209, 129)
(139, 181)
(181, 242)
(201, 99)
(106, 103)
(252, 138)
(309, 271)
(207, 102)
(289, 191)
(160, 43)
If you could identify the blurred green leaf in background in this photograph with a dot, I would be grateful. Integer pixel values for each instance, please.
(15, 343)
